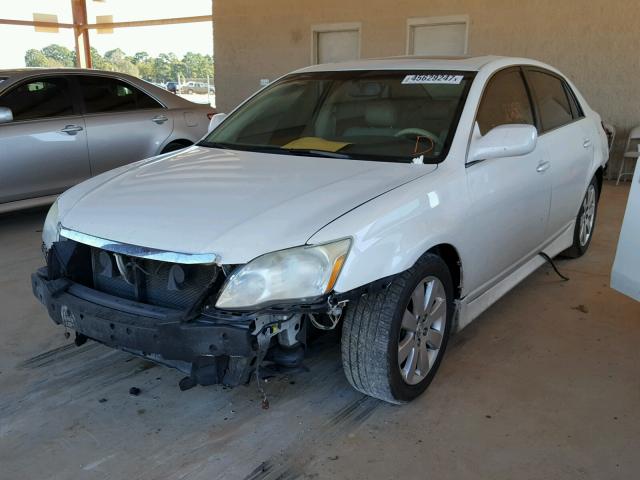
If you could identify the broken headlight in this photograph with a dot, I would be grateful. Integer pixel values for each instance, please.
(51, 228)
(296, 274)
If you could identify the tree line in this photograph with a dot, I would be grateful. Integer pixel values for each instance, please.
(161, 69)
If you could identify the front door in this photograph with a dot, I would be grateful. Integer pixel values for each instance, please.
(509, 197)
(43, 151)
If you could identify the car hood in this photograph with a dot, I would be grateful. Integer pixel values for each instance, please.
(235, 204)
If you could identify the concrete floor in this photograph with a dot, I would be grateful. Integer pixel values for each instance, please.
(545, 385)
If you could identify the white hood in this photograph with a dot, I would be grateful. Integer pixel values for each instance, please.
(235, 204)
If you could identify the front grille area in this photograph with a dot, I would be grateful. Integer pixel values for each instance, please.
(150, 281)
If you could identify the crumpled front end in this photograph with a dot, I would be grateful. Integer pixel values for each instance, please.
(164, 311)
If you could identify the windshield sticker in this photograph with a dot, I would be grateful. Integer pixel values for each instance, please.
(433, 79)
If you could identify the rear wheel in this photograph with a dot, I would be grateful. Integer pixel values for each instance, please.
(585, 222)
(393, 341)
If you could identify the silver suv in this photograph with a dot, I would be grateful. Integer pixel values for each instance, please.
(59, 127)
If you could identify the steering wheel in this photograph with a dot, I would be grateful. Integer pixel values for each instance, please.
(419, 132)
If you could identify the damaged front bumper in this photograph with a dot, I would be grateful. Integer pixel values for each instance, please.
(211, 350)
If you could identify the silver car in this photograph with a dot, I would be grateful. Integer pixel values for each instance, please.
(59, 127)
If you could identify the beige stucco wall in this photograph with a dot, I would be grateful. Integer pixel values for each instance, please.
(595, 42)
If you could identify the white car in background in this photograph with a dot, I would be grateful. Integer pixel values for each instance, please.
(401, 197)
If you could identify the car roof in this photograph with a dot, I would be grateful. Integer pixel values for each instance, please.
(167, 98)
(461, 63)
(10, 72)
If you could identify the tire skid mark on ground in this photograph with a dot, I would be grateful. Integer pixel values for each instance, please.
(299, 410)
(65, 375)
(312, 389)
(58, 354)
(291, 464)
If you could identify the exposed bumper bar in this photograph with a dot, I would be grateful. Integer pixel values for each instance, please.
(148, 330)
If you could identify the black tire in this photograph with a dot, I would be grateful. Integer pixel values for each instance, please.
(173, 146)
(579, 248)
(372, 329)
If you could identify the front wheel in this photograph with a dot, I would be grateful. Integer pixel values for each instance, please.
(393, 341)
(585, 222)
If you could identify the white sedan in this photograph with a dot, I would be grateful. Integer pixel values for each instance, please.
(397, 197)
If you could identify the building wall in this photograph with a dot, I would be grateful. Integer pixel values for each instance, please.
(594, 42)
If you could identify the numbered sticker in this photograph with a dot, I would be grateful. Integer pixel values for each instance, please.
(432, 79)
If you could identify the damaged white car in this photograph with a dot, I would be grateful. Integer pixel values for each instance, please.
(394, 198)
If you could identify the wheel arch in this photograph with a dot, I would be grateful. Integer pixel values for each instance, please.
(178, 141)
(449, 254)
(599, 174)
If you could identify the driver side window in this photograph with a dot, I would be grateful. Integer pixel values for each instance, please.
(39, 98)
(505, 102)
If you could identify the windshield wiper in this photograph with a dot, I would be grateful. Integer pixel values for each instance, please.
(316, 153)
(310, 152)
(224, 146)
(275, 149)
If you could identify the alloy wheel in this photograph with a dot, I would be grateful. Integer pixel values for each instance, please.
(588, 215)
(422, 330)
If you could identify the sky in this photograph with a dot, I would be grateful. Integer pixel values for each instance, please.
(179, 39)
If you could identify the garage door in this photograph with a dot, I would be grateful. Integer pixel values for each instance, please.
(337, 46)
(438, 39)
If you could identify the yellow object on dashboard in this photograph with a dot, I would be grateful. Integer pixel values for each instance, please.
(315, 143)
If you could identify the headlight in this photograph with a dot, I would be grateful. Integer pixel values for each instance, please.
(299, 274)
(51, 229)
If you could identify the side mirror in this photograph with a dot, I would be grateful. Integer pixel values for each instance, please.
(216, 120)
(503, 141)
(6, 115)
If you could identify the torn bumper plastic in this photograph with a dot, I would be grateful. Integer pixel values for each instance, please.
(210, 350)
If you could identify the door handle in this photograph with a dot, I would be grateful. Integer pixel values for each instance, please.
(72, 129)
(586, 143)
(543, 166)
(160, 119)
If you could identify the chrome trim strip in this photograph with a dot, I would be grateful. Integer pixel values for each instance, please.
(141, 252)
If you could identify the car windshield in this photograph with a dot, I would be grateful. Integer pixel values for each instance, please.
(397, 116)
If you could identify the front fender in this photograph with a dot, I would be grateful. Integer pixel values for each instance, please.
(391, 232)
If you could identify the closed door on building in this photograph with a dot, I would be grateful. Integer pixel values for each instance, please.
(336, 43)
(437, 36)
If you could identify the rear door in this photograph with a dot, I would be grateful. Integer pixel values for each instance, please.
(566, 140)
(43, 151)
(510, 196)
(124, 124)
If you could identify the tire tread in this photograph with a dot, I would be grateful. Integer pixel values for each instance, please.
(366, 335)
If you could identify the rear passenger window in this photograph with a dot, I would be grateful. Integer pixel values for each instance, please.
(551, 98)
(576, 110)
(505, 102)
(102, 95)
(41, 98)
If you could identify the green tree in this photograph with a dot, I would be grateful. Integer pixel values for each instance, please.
(61, 55)
(140, 57)
(197, 65)
(119, 62)
(98, 60)
(166, 67)
(35, 58)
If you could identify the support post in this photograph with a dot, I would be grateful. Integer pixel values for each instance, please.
(81, 33)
